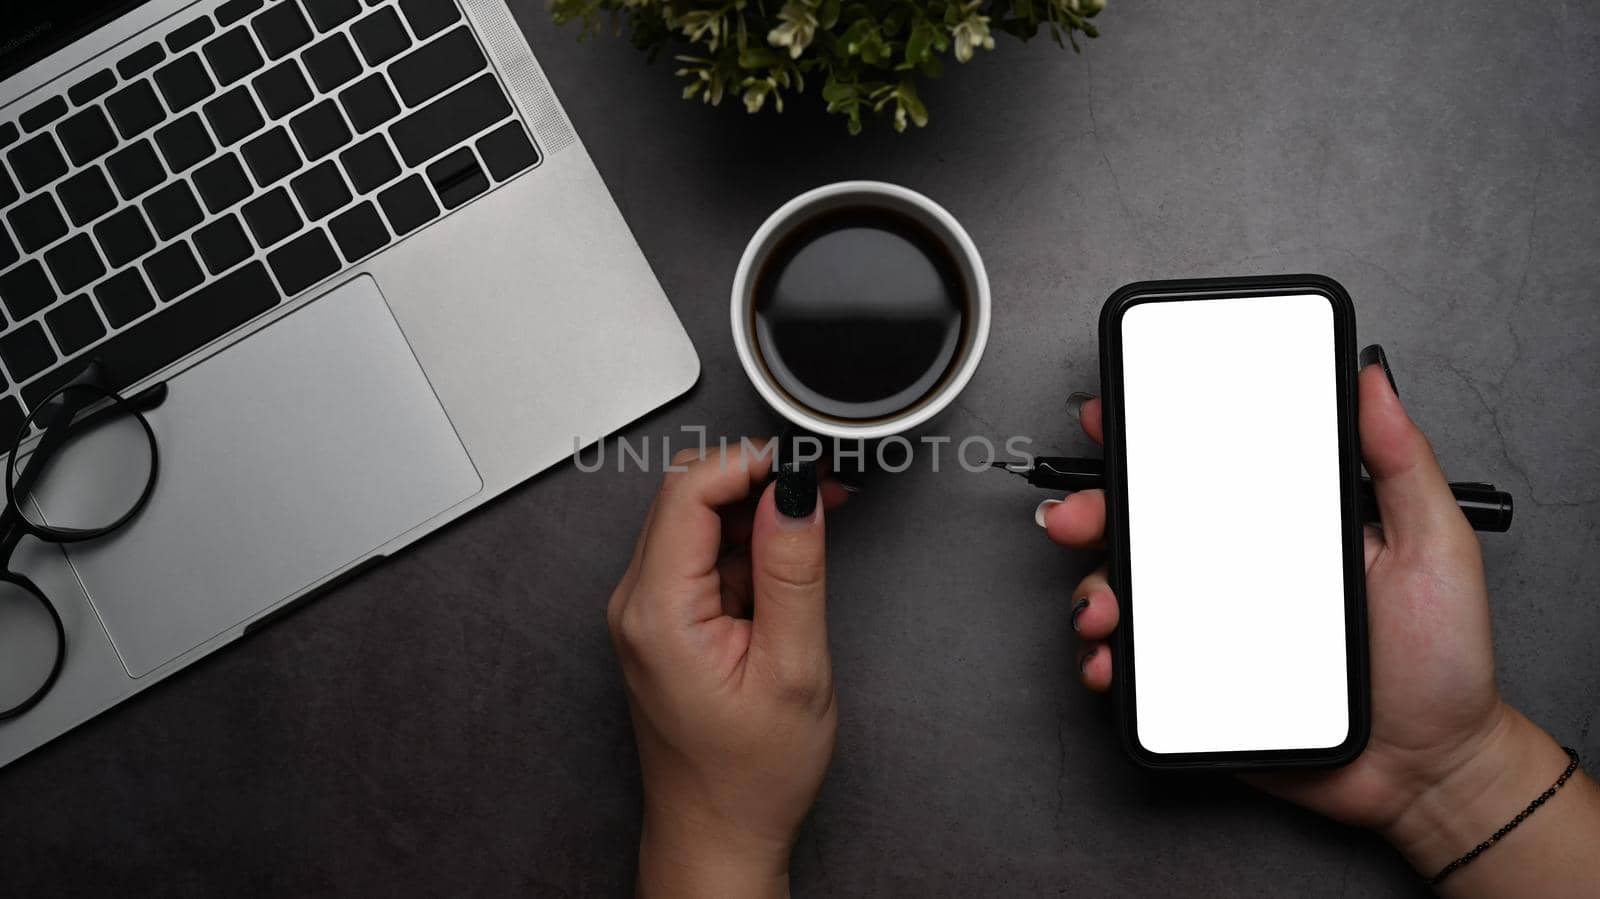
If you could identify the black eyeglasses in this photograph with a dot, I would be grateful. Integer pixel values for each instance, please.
(90, 473)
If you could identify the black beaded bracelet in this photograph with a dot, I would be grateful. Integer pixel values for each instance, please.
(1521, 816)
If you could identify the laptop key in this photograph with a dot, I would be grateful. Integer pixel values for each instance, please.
(271, 217)
(184, 143)
(8, 251)
(449, 120)
(43, 114)
(173, 271)
(429, 70)
(8, 189)
(380, 36)
(409, 205)
(507, 151)
(86, 196)
(370, 164)
(91, 88)
(86, 136)
(173, 210)
(321, 191)
(124, 297)
(235, 10)
(141, 60)
(282, 30)
(37, 162)
(221, 183)
(330, 14)
(25, 290)
(359, 231)
(282, 89)
(190, 34)
(11, 417)
(74, 263)
(184, 82)
(457, 178)
(135, 109)
(222, 245)
(8, 134)
(75, 324)
(271, 156)
(233, 116)
(429, 17)
(320, 130)
(124, 237)
(303, 261)
(331, 62)
(174, 332)
(26, 351)
(37, 223)
(369, 103)
(135, 169)
(233, 55)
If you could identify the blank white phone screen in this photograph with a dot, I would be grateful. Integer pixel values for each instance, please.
(1234, 526)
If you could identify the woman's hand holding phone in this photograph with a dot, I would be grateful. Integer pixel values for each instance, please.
(1448, 761)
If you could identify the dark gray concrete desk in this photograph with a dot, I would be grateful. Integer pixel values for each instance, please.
(453, 723)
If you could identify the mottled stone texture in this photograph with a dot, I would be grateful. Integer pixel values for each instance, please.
(453, 723)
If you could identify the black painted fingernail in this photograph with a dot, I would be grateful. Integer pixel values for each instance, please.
(1083, 663)
(1077, 609)
(796, 493)
(1375, 353)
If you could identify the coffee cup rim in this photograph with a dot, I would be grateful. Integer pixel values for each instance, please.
(744, 342)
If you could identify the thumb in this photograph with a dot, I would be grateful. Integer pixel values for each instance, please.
(1414, 499)
(788, 565)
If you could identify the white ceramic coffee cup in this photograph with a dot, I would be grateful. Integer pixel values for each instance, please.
(855, 194)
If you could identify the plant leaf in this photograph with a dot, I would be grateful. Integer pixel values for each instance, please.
(850, 46)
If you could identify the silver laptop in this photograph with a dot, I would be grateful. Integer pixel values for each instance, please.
(362, 247)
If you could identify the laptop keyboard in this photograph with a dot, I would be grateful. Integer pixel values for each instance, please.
(186, 186)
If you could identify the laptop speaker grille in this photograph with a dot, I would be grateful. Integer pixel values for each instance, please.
(522, 74)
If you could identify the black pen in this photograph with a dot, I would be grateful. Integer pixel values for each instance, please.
(1486, 508)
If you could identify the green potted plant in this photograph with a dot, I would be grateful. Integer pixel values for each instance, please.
(868, 55)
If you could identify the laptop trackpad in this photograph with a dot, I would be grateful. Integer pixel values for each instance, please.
(283, 459)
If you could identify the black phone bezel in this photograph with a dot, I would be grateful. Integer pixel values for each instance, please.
(1357, 673)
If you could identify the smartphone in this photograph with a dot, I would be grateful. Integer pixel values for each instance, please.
(1234, 537)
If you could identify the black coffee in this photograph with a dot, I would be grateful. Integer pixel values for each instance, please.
(859, 313)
